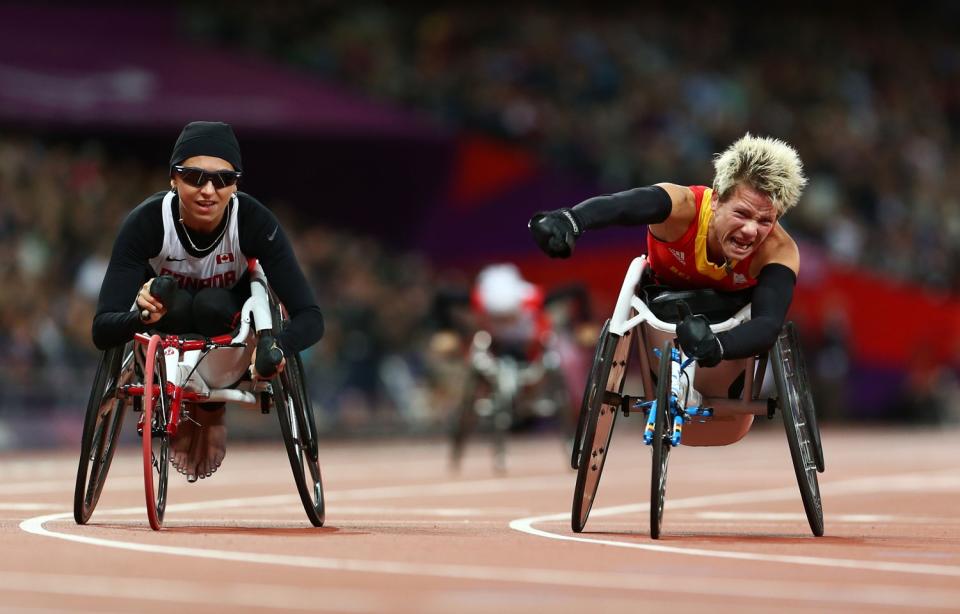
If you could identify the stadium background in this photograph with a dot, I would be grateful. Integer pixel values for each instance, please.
(405, 148)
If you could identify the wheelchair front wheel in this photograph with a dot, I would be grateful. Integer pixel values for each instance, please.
(154, 435)
(101, 429)
(299, 429)
(661, 440)
(599, 430)
(806, 394)
(464, 420)
(789, 400)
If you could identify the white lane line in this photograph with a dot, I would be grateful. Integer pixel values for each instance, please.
(645, 582)
(846, 518)
(942, 480)
(440, 512)
(540, 482)
(246, 594)
(30, 507)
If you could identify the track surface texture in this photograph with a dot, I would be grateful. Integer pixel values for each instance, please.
(404, 533)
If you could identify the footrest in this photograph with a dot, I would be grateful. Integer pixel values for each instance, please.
(705, 412)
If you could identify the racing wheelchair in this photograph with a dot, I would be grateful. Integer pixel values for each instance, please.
(686, 404)
(503, 389)
(154, 375)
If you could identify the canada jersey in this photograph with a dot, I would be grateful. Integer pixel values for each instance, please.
(683, 263)
(221, 267)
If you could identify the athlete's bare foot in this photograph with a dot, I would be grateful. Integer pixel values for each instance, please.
(211, 444)
(181, 445)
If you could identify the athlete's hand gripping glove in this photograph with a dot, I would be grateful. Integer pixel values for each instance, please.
(696, 338)
(555, 232)
(162, 289)
(267, 359)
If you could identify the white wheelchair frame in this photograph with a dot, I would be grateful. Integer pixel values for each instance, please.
(689, 405)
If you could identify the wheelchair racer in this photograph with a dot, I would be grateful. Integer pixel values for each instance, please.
(727, 238)
(511, 310)
(200, 233)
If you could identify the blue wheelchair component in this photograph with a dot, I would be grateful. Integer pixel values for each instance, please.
(677, 430)
(651, 423)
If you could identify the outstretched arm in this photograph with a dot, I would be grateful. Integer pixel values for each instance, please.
(557, 231)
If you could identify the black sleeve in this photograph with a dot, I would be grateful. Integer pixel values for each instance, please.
(771, 300)
(262, 237)
(140, 238)
(648, 205)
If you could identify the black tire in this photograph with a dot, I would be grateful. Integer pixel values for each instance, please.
(101, 429)
(585, 403)
(806, 394)
(465, 419)
(155, 439)
(612, 368)
(798, 431)
(299, 429)
(661, 445)
(503, 414)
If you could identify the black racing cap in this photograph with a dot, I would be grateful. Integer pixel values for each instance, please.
(207, 139)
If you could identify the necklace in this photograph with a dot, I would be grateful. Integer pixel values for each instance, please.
(186, 232)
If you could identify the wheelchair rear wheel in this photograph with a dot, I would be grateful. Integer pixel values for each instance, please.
(101, 429)
(661, 440)
(154, 435)
(609, 376)
(799, 438)
(585, 403)
(299, 429)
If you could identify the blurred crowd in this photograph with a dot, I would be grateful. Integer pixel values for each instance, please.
(626, 96)
(631, 94)
(60, 209)
(397, 327)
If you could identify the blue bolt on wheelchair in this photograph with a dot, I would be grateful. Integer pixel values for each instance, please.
(686, 404)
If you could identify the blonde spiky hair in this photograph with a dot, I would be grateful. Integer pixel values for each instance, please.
(768, 165)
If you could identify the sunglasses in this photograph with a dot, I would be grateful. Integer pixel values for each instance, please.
(198, 177)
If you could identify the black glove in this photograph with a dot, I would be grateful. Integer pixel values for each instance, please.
(556, 232)
(269, 356)
(697, 340)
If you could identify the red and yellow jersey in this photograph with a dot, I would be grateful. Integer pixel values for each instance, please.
(683, 263)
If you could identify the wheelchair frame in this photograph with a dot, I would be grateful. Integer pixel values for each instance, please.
(507, 378)
(672, 403)
(167, 368)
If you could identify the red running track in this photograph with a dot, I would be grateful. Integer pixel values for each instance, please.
(404, 534)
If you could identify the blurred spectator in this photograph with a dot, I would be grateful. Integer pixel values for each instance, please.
(632, 94)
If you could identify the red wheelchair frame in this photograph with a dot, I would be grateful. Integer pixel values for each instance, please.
(160, 400)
